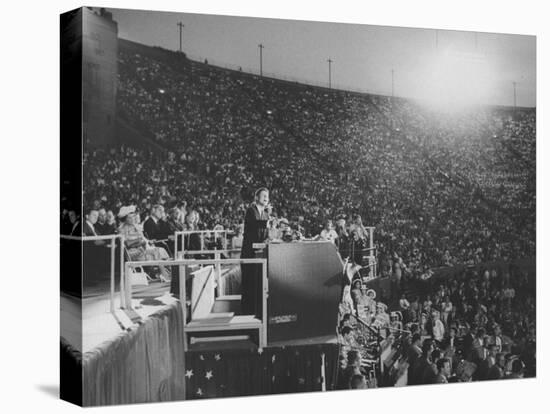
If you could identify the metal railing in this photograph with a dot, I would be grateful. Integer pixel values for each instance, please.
(201, 233)
(371, 250)
(182, 263)
(180, 254)
(112, 238)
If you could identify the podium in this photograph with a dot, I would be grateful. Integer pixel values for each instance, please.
(300, 295)
(304, 285)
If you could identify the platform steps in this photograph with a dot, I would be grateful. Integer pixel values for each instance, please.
(224, 325)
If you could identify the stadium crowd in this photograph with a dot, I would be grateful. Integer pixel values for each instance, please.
(440, 189)
(479, 325)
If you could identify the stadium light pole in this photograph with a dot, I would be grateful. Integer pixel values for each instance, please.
(261, 59)
(330, 73)
(181, 26)
(514, 83)
(392, 83)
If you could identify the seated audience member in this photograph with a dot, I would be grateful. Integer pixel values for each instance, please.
(496, 337)
(88, 228)
(449, 346)
(517, 370)
(94, 251)
(414, 354)
(364, 303)
(468, 340)
(70, 226)
(346, 303)
(156, 228)
(101, 222)
(465, 371)
(348, 339)
(381, 319)
(358, 382)
(355, 292)
(415, 350)
(427, 305)
(446, 308)
(397, 273)
(414, 309)
(370, 300)
(346, 321)
(396, 318)
(192, 241)
(497, 371)
(357, 224)
(272, 229)
(424, 325)
(430, 371)
(153, 226)
(218, 239)
(328, 233)
(479, 352)
(484, 366)
(443, 371)
(137, 245)
(110, 225)
(237, 242)
(286, 233)
(173, 221)
(404, 304)
(342, 241)
(353, 367)
(357, 247)
(423, 364)
(438, 329)
(171, 225)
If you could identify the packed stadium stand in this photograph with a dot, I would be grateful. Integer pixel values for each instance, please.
(442, 190)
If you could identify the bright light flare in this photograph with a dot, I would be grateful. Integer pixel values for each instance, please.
(456, 80)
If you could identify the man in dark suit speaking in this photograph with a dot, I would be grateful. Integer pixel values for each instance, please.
(255, 231)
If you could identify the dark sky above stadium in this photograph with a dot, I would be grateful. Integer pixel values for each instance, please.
(443, 68)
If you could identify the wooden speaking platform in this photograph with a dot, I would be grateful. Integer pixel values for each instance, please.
(302, 284)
